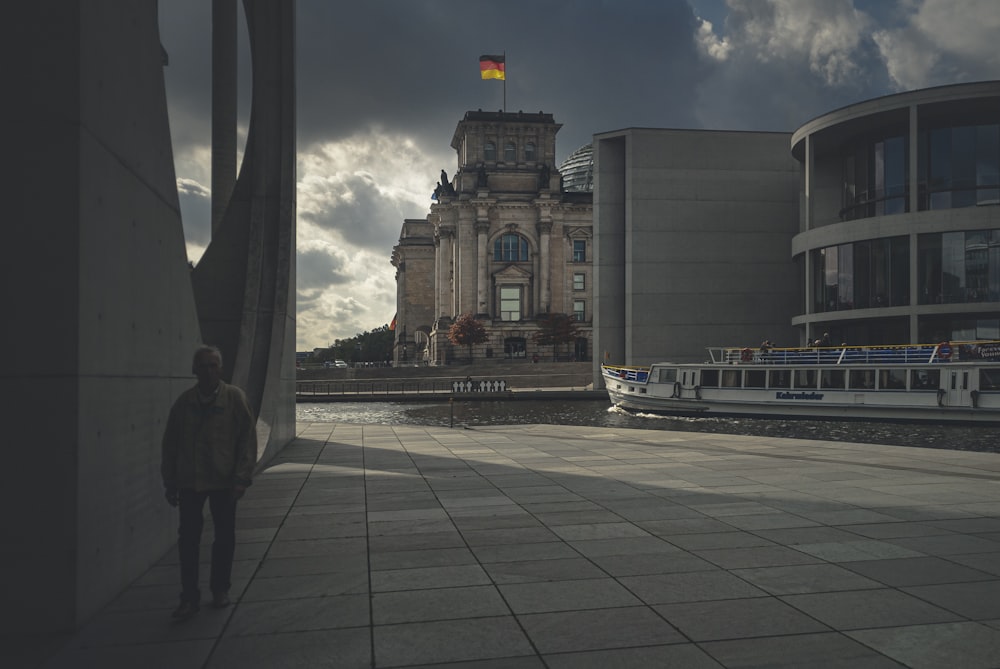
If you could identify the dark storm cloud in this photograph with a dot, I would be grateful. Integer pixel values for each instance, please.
(413, 66)
(318, 269)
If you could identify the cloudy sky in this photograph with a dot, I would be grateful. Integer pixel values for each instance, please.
(383, 83)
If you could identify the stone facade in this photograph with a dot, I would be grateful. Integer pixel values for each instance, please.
(504, 242)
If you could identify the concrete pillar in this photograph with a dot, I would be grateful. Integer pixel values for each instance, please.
(223, 107)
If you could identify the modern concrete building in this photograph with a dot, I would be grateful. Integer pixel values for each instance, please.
(504, 242)
(899, 233)
(692, 244)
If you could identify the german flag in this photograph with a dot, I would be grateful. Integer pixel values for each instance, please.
(492, 67)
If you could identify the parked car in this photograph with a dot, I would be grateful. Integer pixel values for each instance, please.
(340, 363)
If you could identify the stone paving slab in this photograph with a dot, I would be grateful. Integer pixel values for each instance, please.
(530, 547)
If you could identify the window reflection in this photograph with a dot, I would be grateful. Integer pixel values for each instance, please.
(960, 166)
(869, 274)
(958, 267)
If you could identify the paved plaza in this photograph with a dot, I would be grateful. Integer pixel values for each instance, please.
(506, 547)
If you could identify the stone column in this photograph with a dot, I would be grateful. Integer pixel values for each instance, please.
(482, 279)
(446, 240)
(544, 265)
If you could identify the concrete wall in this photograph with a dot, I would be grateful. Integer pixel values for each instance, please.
(693, 234)
(99, 318)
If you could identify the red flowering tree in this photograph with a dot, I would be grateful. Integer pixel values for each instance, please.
(467, 331)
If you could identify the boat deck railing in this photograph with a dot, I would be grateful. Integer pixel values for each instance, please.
(842, 355)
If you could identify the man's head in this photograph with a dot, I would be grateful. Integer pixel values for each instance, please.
(207, 366)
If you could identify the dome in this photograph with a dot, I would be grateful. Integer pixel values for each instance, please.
(578, 170)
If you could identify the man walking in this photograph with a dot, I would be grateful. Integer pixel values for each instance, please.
(209, 452)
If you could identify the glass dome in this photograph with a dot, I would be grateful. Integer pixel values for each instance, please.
(578, 170)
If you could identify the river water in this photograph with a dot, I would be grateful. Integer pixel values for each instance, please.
(597, 413)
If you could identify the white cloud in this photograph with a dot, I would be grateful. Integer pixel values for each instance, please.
(826, 34)
(710, 44)
(942, 42)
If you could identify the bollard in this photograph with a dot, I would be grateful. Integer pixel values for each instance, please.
(451, 407)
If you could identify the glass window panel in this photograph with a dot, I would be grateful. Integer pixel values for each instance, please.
(579, 250)
(510, 303)
(579, 310)
(845, 276)
(710, 378)
(891, 379)
(977, 265)
(830, 280)
(939, 160)
(832, 378)
(989, 379)
(900, 271)
(988, 164)
(754, 378)
(779, 378)
(730, 378)
(861, 379)
(510, 152)
(929, 269)
(963, 166)
(895, 176)
(490, 152)
(578, 281)
(862, 275)
(529, 151)
(925, 379)
(953, 267)
(805, 378)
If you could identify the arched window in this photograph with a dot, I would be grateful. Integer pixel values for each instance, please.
(529, 151)
(490, 152)
(511, 248)
(510, 152)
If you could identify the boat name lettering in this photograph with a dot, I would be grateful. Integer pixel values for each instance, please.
(798, 396)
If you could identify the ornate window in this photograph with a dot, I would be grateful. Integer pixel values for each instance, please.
(490, 152)
(510, 248)
(579, 280)
(510, 303)
(529, 151)
(579, 250)
(579, 310)
(510, 152)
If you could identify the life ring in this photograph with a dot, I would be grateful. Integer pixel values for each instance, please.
(746, 355)
(623, 373)
(944, 350)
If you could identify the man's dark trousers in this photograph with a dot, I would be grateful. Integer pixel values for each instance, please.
(223, 508)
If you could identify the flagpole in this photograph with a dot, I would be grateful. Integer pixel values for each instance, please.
(505, 81)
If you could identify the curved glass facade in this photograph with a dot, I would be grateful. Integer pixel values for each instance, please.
(578, 170)
(862, 275)
(875, 181)
(959, 166)
(958, 267)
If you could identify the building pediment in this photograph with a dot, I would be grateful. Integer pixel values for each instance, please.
(513, 273)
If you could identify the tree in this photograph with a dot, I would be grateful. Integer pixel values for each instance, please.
(467, 331)
(555, 329)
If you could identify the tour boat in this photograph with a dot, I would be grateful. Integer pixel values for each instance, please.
(949, 381)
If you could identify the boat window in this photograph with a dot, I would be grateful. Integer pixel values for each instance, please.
(780, 378)
(862, 379)
(832, 378)
(989, 379)
(730, 378)
(710, 378)
(805, 378)
(892, 379)
(668, 375)
(926, 379)
(754, 378)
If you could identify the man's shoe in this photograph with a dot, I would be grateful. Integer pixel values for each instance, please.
(184, 611)
(220, 600)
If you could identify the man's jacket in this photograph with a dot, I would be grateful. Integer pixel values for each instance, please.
(209, 446)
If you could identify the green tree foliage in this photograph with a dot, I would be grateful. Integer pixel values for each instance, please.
(374, 346)
(556, 329)
(467, 331)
